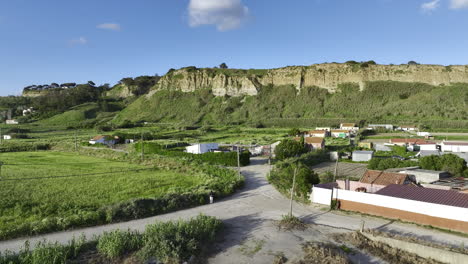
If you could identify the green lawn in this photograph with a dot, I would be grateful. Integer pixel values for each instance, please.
(76, 198)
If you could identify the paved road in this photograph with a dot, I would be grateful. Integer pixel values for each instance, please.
(251, 235)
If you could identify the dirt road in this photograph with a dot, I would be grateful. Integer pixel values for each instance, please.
(251, 235)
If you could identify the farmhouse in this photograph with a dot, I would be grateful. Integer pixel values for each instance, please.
(362, 155)
(426, 176)
(201, 148)
(315, 142)
(340, 133)
(317, 133)
(454, 146)
(103, 139)
(349, 126)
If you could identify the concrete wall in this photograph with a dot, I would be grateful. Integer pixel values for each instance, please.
(321, 195)
(444, 216)
(444, 256)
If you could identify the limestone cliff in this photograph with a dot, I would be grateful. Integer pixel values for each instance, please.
(236, 82)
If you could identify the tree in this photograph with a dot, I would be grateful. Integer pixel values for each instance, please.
(289, 148)
(448, 162)
(223, 66)
(294, 132)
(326, 177)
(412, 63)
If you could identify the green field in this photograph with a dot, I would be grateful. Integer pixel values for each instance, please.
(30, 195)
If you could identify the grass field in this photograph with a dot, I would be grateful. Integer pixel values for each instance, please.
(76, 198)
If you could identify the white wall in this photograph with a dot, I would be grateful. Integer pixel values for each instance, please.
(428, 147)
(321, 196)
(201, 148)
(435, 210)
(454, 148)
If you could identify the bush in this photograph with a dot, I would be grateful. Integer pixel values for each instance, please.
(383, 164)
(175, 242)
(448, 162)
(118, 243)
(289, 148)
(282, 178)
(23, 146)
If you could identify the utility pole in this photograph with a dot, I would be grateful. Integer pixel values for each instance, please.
(238, 161)
(292, 192)
(1, 136)
(1, 163)
(336, 168)
(142, 148)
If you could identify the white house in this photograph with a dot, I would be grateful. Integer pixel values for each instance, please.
(423, 134)
(201, 148)
(6, 137)
(11, 122)
(454, 146)
(427, 145)
(103, 139)
(362, 155)
(349, 126)
(317, 133)
(340, 133)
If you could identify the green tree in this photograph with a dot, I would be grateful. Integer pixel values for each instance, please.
(223, 66)
(448, 162)
(294, 132)
(289, 148)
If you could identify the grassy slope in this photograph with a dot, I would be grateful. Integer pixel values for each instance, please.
(380, 101)
(32, 200)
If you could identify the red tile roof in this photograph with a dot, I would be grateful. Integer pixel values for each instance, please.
(311, 140)
(383, 177)
(436, 196)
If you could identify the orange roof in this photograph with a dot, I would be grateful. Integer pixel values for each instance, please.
(312, 140)
(413, 141)
(339, 131)
(383, 177)
(317, 132)
(348, 124)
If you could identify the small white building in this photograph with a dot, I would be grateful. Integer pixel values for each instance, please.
(454, 146)
(362, 155)
(427, 146)
(384, 126)
(103, 139)
(423, 134)
(201, 148)
(6, 137)
(11, 122)
(408, 128)
(349, 126)
(340, 133)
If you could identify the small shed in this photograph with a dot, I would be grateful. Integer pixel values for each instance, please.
(201, 148)
(427, 176)
(362, 155)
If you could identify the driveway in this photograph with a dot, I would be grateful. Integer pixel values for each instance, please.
(251, 235)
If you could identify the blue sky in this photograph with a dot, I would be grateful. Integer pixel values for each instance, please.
(106, 40)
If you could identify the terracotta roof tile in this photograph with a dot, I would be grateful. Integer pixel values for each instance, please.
(383, 177)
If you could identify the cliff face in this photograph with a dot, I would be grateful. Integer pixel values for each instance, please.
(234, 82)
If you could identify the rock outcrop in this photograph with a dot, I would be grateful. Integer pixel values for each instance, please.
(235, 82)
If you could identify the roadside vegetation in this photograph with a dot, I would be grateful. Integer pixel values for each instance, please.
(51, 191)
(167, 242)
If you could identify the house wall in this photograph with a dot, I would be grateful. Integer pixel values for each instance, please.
(353, 185)
(444, 216)
(454, 148)
(428, 147)
(321, 196)
(362, 157)
(201, 148)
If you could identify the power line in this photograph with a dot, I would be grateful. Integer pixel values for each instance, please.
(76, 175)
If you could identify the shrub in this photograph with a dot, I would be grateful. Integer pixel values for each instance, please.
(289, 148)
(174, 242)
(282, 178)
(383, 164)
(118, 243)
(448, 162)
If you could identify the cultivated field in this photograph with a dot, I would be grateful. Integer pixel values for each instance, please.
(38, 186)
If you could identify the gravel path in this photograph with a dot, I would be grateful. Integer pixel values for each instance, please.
(251, 235)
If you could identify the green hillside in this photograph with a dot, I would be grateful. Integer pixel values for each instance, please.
(382, 101)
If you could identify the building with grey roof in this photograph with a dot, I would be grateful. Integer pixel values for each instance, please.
(426, 176)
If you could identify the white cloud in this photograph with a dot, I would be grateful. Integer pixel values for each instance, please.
(430, 6)
(79, 41)
(457, 4)
(109, 26)
(224, 14)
